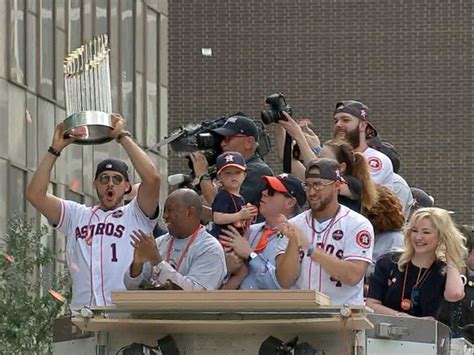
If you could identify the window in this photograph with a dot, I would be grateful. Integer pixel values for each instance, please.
(75, 28)
(47, 49)
(17, 41)
(151, 75)
(127, 70)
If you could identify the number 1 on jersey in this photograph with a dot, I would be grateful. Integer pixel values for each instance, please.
(114, 252)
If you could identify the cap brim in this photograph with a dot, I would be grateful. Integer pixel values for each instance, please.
(375, 134)
(243, 168)
(275, 183)
(225, 132)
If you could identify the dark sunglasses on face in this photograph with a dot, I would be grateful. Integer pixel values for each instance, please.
(229, 138)
(271, 191)
(104, 179)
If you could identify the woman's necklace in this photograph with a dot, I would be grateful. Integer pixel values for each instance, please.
(407, 303)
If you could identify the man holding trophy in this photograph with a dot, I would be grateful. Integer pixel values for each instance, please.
(98, 244)
(98, 248)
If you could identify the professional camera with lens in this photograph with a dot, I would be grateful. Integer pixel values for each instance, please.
(201, 137)
(277, 105)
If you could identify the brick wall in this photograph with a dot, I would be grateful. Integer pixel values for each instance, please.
(410, 61)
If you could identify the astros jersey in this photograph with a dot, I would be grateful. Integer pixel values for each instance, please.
(348, 236)
(98, 248)
(380, 167)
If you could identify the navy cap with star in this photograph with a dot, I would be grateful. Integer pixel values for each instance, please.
(227, 159)
(238, 125)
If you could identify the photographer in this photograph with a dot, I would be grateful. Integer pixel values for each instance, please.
(288, 125)
(239, 134)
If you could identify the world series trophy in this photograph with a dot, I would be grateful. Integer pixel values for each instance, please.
(88, 92)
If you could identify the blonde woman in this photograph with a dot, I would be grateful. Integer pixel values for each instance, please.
(414, 282)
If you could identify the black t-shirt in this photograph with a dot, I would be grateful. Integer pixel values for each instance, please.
(225, 202)
(253, 184)
(354, 203)
(456, 314)
(386, 284)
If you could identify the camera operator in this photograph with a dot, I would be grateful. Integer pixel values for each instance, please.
(239, 134)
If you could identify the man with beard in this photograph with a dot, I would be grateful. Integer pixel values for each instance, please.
(98, 245)
(329, 247)
(351, 123)
(187, 255)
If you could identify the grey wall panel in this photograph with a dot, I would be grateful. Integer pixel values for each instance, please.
(3, 199)
(4, 119)
(17, 125)
(46, 126)
(3, 39)
(31, 131)
(32, 46)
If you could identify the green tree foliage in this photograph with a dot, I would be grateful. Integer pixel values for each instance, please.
(27, 309)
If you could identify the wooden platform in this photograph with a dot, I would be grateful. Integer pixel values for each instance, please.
(223, 312)
(224, 327)
(221, 300)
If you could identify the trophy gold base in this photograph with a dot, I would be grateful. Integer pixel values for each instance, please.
(94, 126)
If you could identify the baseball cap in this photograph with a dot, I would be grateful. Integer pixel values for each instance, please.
(422, 199)
(328, 169)
(112, 165)
(230, 159)
(357, 109)
(287, 183)
(238, 125)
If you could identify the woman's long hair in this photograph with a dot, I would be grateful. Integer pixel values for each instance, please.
(356, 165)
(450, 240)
(387, 213)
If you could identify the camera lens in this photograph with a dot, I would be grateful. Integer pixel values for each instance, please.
(206, 141)
(269, 116)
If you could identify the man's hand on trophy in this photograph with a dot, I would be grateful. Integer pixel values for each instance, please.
(60, 141)
(118, 122)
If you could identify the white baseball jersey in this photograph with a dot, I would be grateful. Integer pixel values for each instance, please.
(348, 236)
(98, 250)
(380, 167)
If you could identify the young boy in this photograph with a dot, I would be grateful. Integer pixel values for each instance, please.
(229, 206)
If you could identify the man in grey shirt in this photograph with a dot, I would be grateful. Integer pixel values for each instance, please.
(187, 255)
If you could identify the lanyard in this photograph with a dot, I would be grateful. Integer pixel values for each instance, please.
(186, 249)
(262, 243)
(405, 303)
(325, 229)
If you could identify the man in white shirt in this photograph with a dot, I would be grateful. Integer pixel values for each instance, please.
(351, 123)
(329, 247)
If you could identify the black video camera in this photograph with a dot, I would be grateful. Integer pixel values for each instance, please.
(200, 137)
(277, 105)
(192, 138)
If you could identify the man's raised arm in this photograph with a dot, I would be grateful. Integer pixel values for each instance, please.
(37, 190)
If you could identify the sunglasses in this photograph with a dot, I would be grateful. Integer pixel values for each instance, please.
(229, 138)
(317, 186)
(271, 191)
(104, 179)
